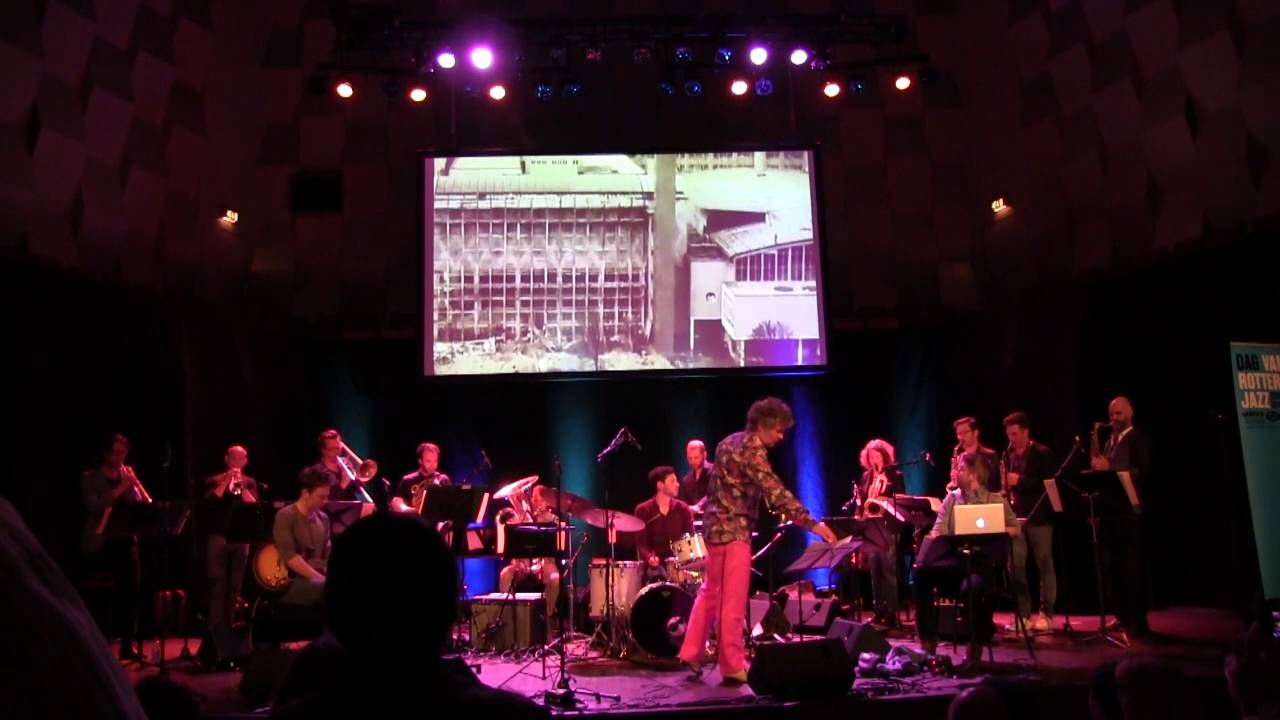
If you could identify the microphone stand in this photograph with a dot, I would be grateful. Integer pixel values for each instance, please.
(611, 618)
(564, 696)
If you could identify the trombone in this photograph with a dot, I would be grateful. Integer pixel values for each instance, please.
(364, 472)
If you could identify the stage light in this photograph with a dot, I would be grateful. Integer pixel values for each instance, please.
(831, 89)
(345, 89)
(229, 218)
(857, 86)
(642, 55)
(571, 89)
(497, 92)
(999, 206)
(902, 82)
(799, 56)
(759, 55)
(666, 87)
(723, 56)
(738, 87)
(764, 86)
(445, 59)
(684, 55)
(595, 54)
(417, 93)
(693, 88)
(821, 60)
(543, 90)
(482, 58)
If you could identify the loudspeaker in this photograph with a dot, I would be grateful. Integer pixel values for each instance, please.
(858, 638)
(766, 616)
(799, 670)
(809, 612)
(264, 673)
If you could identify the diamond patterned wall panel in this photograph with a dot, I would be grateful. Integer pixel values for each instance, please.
(1117, 131)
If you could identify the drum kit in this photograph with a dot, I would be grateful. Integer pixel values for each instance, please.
(653, 616)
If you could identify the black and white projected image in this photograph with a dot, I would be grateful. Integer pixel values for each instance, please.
(615, 262)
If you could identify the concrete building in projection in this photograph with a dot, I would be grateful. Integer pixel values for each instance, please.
(547, 248)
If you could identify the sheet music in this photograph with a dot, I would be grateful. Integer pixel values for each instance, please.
(1055, 498)
(1126, 479)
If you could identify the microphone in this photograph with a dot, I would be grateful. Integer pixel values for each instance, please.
(484, 459)
(928, 457)
(631, 439)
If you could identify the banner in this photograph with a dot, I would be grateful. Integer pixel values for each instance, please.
(1256, 376)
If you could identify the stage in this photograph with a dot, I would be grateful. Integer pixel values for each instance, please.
(1195, 639)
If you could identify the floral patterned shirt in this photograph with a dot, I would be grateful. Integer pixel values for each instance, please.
(743, 475)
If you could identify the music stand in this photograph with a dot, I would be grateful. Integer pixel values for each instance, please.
(939, 549)
(1107, 493)
(163, 520)
(344, 513)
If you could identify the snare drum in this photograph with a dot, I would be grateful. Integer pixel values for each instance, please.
(628, 578)
(689, 548)
(680, 575)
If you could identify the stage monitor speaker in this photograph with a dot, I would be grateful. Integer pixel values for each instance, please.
(264, 673)
(801, 670)
(810, 613)
(858, 638)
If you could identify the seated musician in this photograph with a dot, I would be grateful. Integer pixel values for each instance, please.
(301, 534)
(667, 518)
(947, 573)
(409, 490)
(525, 573)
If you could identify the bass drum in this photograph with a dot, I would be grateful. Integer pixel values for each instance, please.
(270, 572)
(659, 617)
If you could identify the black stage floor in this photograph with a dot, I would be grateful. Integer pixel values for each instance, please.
(1195, 639)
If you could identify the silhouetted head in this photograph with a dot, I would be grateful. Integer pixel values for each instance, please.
(388, 561)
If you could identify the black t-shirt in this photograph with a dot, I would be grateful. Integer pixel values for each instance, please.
(661, 529)
(404, 488)
(217, 510)
(694, 487)
(1034, 465)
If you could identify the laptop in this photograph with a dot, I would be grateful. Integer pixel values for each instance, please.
(979, 519)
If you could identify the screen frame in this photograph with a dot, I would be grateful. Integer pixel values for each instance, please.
(423, 154)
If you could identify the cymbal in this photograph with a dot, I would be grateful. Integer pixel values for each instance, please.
(562, 501)
(518, 486)
(599, 517)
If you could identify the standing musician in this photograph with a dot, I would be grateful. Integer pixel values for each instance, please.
(1027, 465)
(521, 571)
(693, 486)
(967, 442)
(1126, 449)
(741, 478)
(880, 528)
(667, 518)
(225, 561)
(301, 532)
(111, 555)
(410, 492)
(948, 572)
(342, 477)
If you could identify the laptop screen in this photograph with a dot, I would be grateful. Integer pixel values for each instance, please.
(979, 519)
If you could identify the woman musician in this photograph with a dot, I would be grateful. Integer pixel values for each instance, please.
(873, 493)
